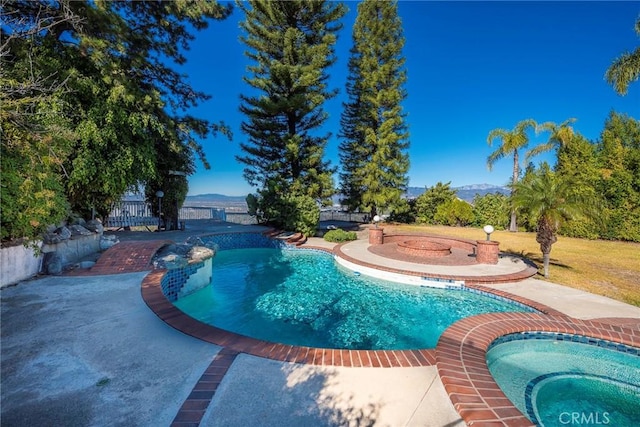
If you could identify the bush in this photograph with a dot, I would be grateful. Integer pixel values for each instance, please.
(454, 213)
(339, 236)
(289, 212)
(492, 209)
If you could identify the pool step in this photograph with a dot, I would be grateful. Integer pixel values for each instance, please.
(297, 239)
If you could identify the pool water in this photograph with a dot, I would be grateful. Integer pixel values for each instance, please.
(302, 297)
(558, 383)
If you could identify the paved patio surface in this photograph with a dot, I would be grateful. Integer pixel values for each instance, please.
(87, 351)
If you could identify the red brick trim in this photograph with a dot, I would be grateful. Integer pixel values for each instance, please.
(153, 296)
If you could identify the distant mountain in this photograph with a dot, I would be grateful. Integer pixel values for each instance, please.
(466, 192)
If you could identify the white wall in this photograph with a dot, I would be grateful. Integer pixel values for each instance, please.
(17, 263)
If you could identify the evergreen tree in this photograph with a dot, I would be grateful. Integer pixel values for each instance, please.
(291, 45)
(427, 203)
(375, 136)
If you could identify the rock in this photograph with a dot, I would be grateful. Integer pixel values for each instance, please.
(107, 241)
(79, 231)
(53, 264)
(194, 241)
(178, 256)
(200, 253)
(95, 225)
(78, 221)
(171, 261)
(57, 236)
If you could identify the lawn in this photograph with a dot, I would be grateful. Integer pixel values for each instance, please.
(602, 267)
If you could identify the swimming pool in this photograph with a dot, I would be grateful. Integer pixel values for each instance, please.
(301, 297)
(562, 379)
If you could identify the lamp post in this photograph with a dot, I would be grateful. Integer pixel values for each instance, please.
(159, 195)
(376, 220)
(488, 229)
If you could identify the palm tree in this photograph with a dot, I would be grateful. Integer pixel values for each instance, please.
(625, 69)
(550, 199)
(512, 141)
(560, 135)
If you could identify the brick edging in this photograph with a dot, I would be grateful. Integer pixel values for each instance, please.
(155, 299)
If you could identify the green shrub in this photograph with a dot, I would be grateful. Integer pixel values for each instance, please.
(454, 213)
(339, 236)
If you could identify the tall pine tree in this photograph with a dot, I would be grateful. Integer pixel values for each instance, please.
(375, 136)
(291, 44)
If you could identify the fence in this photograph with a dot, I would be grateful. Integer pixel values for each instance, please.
(132, 213)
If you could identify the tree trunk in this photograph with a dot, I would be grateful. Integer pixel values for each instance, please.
(513, 226)
(545, 261)
(546, 236)
(374, 212)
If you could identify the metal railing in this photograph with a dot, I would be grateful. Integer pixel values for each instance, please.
(131, 213)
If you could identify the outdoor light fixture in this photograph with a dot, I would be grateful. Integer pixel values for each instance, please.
(159, 195)
(488, 229)
(376, 220)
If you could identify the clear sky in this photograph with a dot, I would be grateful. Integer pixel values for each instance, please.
(472, 67)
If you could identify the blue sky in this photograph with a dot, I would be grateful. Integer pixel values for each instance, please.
(472, 67)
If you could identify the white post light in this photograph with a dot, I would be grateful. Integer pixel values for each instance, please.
(376, 220)
(488, 229)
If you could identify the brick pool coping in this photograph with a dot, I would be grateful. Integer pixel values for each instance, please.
(461, 359)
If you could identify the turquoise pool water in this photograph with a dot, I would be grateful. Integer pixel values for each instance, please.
(302, 297)
(565, 382)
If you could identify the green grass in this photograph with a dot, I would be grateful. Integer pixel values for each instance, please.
(601, 267)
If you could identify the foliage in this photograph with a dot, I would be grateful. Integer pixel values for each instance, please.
(32, 191)
(512, 141)
(252, 204)
(560, 137)
(492, 209)
(34, 134)
(619, 162)
(339, 236)
(405, 212)
(286, 211)
(375, 138)
(291, 45)
(118, 107)
(454, 212)
(427, 203)
(626, 68)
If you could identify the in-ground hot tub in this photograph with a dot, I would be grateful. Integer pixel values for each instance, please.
(565, 379)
